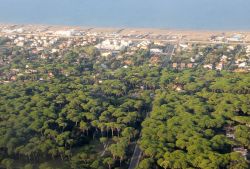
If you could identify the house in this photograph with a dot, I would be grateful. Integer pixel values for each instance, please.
(230, 48)
(34, 51)
(178, 87)
(159, 43)
(208, 66)
(240, 60)
(20, 44)
(44, 56)
(130, 53)
(230, 135)
(229, 131)
(106, 54)
(183, 46)
(144, 44)
(155, 59)
(175, 65)
(142, 87)
(13, 78)
(224, 58)
(248, 49)
(104, 66)
(219, 66)
(242, 65)
(219, 38)
(190, 65)
(183, 65)
(33, 70)
(128, 62)
(133, 48)
(144, 47)
(119, 57)
(20, 74)
(192, 59)
(29, 71)
(15, 70)
(20, 38)
(55, 50)
(40, 49)
(241, 150)
(200, 54)
(50, 74)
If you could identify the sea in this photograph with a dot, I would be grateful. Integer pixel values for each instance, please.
(172, 14)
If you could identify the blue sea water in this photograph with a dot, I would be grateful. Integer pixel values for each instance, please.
(181, 14)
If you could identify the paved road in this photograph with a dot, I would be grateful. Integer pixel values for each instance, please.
(134, 161)
(105, 149)
(135, 158)
(171, 51)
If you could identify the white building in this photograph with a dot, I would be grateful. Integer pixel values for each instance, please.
(242, 65)
(208, 66)
(65, 33)
(184, 46)
(192, 59)
(223, 58)
(106, 54)
(219, 38)
(55, 50)
(230, 48)
(235, 38)
(144, 44)
(113, 44)
(248, 49)
(156, 50)
(20, 44)
(240, 60)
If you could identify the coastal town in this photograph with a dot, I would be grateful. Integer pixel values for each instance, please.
(176, 50)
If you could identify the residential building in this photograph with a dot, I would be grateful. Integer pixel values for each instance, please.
(208, 66)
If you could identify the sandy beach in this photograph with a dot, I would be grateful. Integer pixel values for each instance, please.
(199, 35)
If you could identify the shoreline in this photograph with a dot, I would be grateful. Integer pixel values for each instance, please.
(187, 34)
(125, 27)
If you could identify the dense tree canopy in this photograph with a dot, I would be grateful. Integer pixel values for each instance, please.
(186, 128)
(85, 111)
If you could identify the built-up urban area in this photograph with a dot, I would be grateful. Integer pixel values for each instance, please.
(216, 50)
